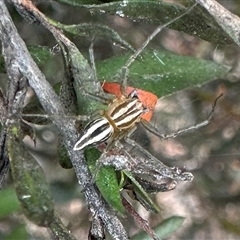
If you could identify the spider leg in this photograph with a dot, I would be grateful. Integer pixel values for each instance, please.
(99, 164)
(100, 96)
(101, 160)
(123, 83)
(125, 69)
(92, 60)
(148, 165)
(155, 131)
(133, 143)
(140, 148)
(111, 144)
(154, 167)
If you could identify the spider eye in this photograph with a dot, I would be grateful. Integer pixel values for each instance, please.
(133, 94)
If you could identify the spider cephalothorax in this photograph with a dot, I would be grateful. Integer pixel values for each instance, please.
(114, 123)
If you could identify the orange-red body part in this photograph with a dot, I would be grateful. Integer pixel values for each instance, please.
(148, 99)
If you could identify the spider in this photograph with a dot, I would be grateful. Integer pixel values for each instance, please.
(114, 123)
(120, 121)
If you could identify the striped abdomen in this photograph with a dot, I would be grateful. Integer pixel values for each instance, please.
(97, 131)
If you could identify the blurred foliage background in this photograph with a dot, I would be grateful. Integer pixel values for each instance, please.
(210, 204)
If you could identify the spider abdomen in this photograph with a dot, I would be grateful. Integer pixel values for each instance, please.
(97, 131)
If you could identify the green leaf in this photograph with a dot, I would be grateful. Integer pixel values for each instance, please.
(31, 186)
(93, 30)
(163, 230)
(106, 180)
(8, 202)
(162, 72)
(30, 183)
(63, 156)
(197, 23)
(83, 76)
(40, 54)
(141, 193)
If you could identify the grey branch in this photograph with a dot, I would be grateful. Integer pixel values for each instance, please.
(227, 20)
